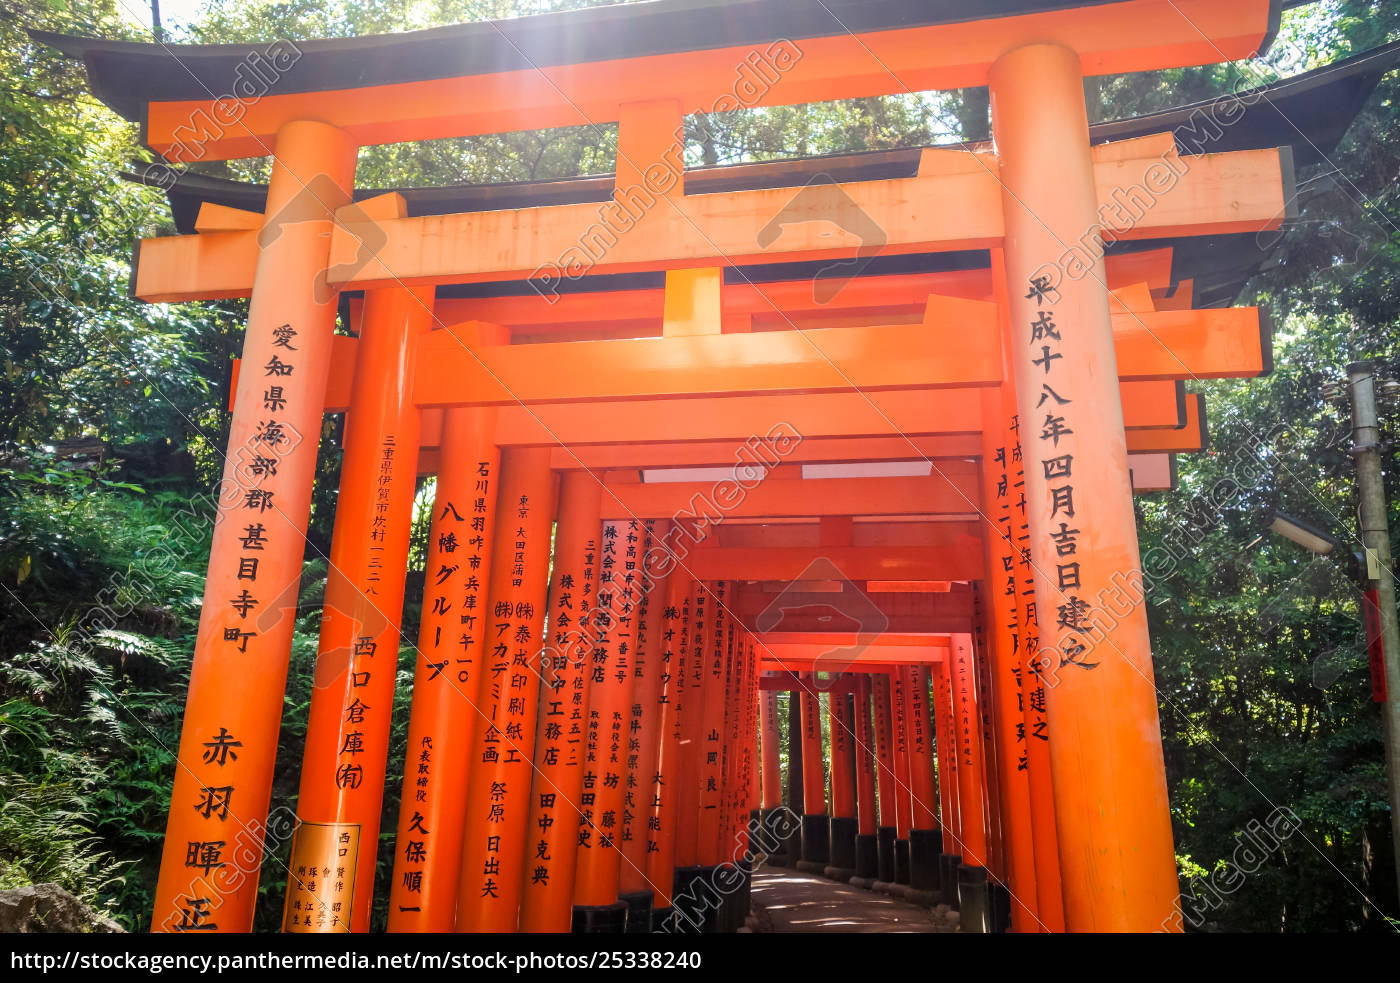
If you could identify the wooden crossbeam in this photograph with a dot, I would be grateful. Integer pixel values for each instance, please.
(955, 346)
(714, 501)
(1233, 342)
(875, 533)
(928, 355)
(1152, 346)
(847, 657)
(1240, 191)
(527, 314)
(546, 91)
(909, 412)
(885, 639)
(812, 450)
(959, 559)
(779, 679)
(1189, 439)
(795, 610)
(837, 427)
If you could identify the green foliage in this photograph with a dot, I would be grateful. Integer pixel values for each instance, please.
(95, 640)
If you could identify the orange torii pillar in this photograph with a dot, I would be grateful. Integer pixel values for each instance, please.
(335, 847)
(998, 896)
(495, 833)
(925, 835)
(710, 851)
(947, 759)
(882, 703)
(755, 843)
(690, 761)
(796, 796)
(867, 821)
(1117, 859)
(1049, 901)
(844, 827)
(551, 840)
(770, 748)
(732, 878)
(665, 788)
(451, 644)
(967, 726)
(693, 906)
(998, 901)
(734, 682)
(816, 830)
(753, 766)
(1049, 897)
(596, 904)
(644, 736)
(1002, 488)
(228, 742)
(903, 800)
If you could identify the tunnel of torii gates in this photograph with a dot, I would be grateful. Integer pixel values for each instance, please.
(864, 429)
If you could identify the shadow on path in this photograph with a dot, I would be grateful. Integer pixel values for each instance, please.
(796, 902)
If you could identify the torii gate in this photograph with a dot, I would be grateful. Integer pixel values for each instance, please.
(1050, 369)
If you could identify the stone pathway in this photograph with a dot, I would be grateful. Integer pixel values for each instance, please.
(787, 900)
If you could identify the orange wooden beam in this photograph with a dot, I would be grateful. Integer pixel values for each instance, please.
(936, 448)
(1229, 192)
(877, 532)
(726, 452)
(846, 655)
(907, 291)
(697, 230)
(956, 561)
(1229, 343)
(809, 611)
(1217, 193)
(910, 413)
(838, 414)
(1153, 348)
(713, 501)
(1112, 38)
(904, 639)
(1189, 439)
(931, 355)
(1151, 345)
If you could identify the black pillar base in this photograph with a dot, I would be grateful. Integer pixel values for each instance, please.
(716, 911)
(606, 919)
(745, 893)
(776, 838)
(901, 861)
(789, 833)
(842, 864)
(925, 845)
(948, 864)
(884, 856)
(867, 856)
(638, 910)
(816, 840)
(734, 884)
(661, 918)
(686, 917)
(974, 904)
(1001, 907)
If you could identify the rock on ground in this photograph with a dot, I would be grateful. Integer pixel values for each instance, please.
(49, 908)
